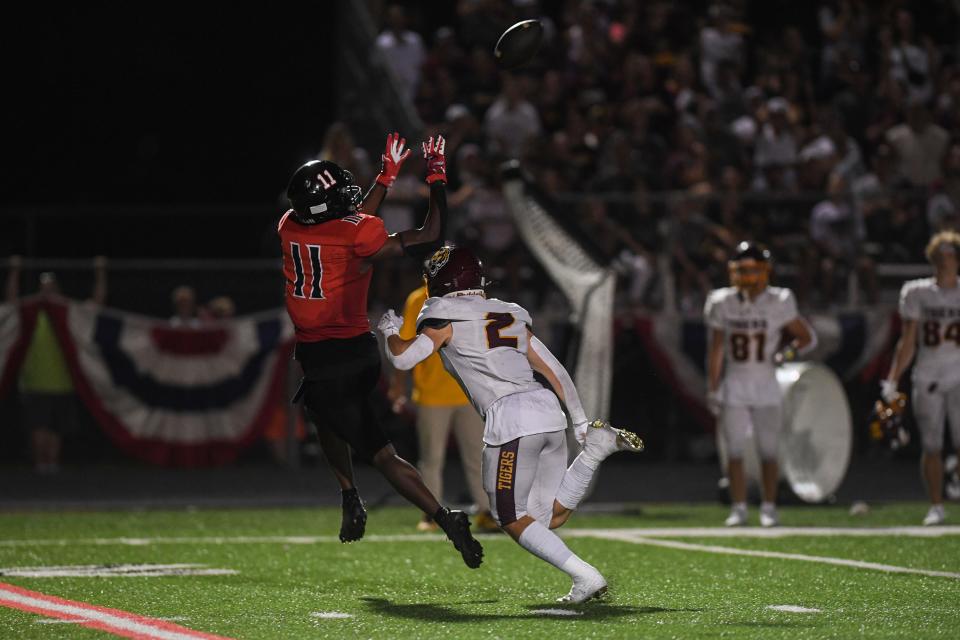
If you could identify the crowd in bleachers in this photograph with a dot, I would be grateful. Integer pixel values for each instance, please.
(829, 130)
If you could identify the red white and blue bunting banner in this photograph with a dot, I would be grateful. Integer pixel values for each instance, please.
(169, 395)
(12, 344)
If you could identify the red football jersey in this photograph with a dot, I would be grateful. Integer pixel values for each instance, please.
(327, 278)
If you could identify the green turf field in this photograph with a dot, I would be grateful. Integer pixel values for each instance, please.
(416, 586)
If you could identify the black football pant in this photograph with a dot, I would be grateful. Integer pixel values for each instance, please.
(340, 380)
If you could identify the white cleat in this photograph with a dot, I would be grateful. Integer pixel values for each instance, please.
(936, 515)
(604, 440)
(769, 517)
(586, 588)
(737, 518)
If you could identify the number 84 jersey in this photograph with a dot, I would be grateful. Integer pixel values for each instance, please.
(487, 351)
(751, 332)
(937, 314)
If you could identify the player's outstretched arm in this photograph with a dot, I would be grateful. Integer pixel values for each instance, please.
(390, 162)
(902, 357)
(406, 354)
(544, 363)
(422, 241)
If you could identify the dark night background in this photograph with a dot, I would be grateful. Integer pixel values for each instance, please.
(160, 105)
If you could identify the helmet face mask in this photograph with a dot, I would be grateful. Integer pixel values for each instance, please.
(320, 190)
(451, 270)
(750, 268)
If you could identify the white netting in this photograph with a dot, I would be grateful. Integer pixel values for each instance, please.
(588, 286)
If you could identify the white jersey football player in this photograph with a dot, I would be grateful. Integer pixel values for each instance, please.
(930, 314)
(488, 347)
(747, 322)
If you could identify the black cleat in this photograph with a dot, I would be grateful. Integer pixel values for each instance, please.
(456, 525)
(354, 521)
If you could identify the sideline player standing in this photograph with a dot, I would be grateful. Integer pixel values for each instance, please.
(930, 314)
(746, 321)
(487, 345)
(329, 247)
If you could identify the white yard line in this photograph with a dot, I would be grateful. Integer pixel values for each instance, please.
(676, 532)
(773, 532)
(778, 555)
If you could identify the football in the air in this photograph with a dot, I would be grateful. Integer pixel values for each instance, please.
(518, 44)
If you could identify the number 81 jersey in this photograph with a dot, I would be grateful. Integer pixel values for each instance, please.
(487, 352)
(937, 313)
(751, 332)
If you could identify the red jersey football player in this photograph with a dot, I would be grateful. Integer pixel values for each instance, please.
(329, 248)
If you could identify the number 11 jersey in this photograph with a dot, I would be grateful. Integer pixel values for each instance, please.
(327, 274)
(751, 331)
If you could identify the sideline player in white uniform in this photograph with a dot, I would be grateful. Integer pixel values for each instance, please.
(930, 314)
(746, 323)
(488, 347)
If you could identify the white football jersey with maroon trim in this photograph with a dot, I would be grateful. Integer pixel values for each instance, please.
(752, 331)
(487, 351)
(937, 313)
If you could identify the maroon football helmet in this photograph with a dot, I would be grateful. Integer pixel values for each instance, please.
(453, 269)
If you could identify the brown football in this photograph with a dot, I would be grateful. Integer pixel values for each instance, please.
(518, 44)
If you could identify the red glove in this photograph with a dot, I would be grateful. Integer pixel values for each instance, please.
(392, 159)
(433, 151)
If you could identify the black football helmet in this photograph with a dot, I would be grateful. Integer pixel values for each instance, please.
(452, 269)
(749, 267)
(320, 190)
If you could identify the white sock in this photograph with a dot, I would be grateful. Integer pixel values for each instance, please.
(768, 506)
(546, 545)
(575, 482)
(740, 506)
(575, 567)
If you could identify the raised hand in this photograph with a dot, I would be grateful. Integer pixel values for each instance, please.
(434, 151)
(392, 159)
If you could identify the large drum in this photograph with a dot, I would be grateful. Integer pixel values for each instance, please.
(817, 434)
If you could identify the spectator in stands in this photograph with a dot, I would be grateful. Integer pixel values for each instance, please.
(402, 50)
(719, 43)
(221, 308)
(920, 145)
(698, 246)
(339, 147)
(843, 27)
(776, 146)
(184, 301)
(839, 233)
(911, 61)
(872, 200)
(48, 403)
(511, 119)
(943, 207)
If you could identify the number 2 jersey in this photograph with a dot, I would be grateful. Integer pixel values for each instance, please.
(327, 276)
(751, 333)
(937, 313)
(487, 355)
